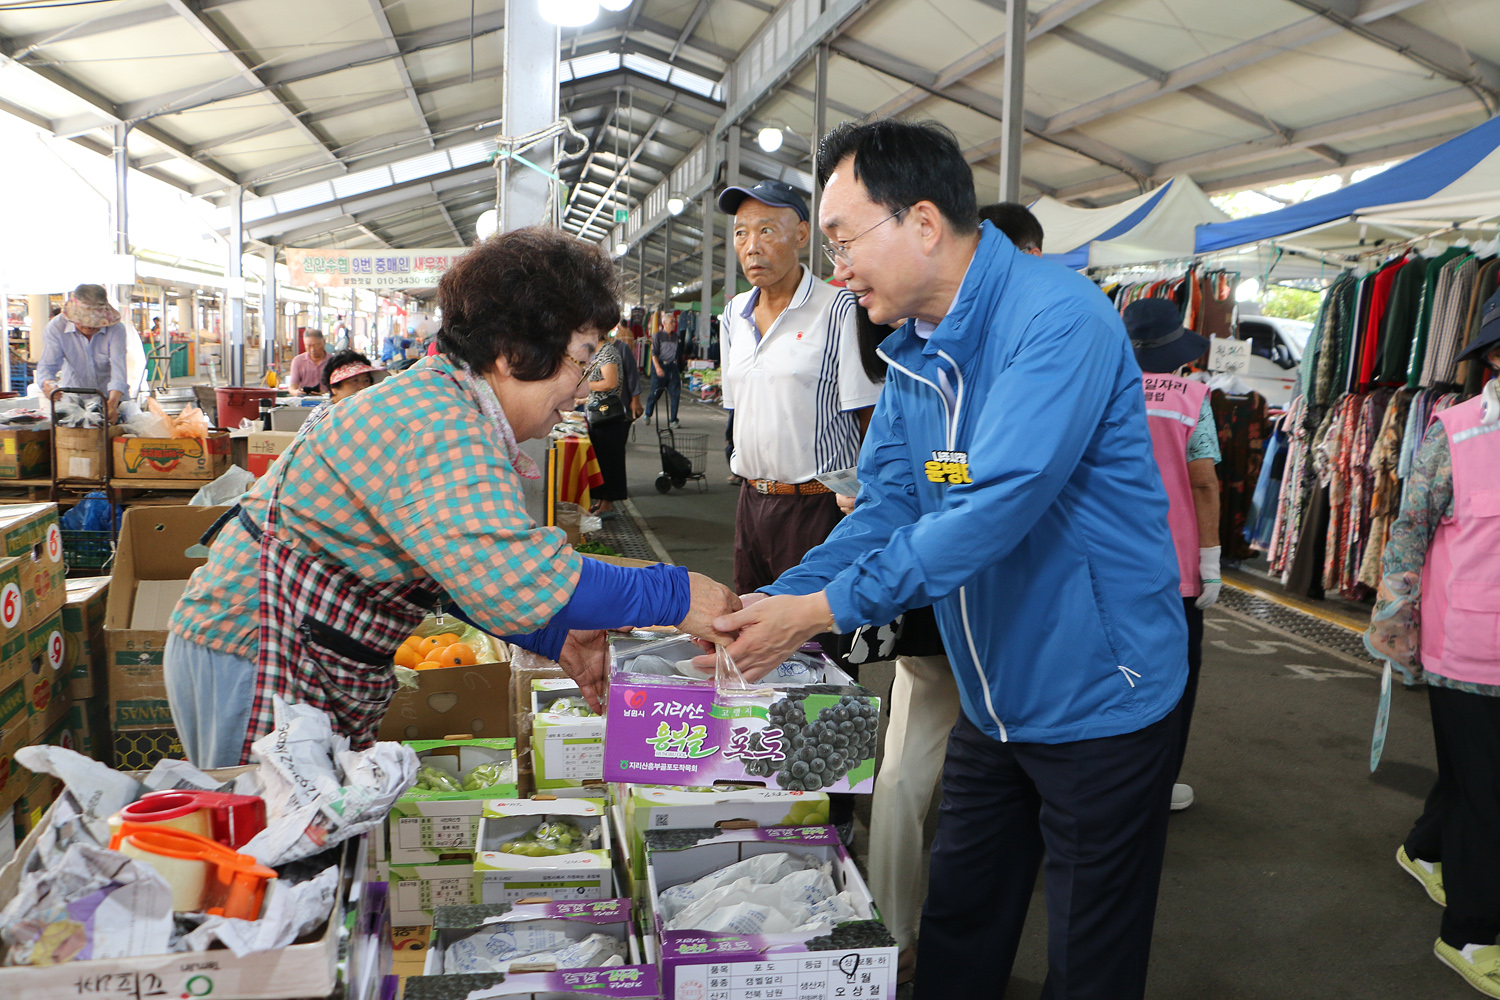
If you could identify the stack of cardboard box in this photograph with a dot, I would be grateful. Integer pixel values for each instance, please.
(157, 552)
(35, 691)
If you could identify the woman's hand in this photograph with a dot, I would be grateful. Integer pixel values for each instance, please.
(584, 658)
(771, 629)
(710, 600)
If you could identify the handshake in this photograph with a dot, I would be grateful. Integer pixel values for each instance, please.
(760, 632)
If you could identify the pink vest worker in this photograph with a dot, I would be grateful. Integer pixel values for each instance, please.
(1461, 580)
(1172, 408)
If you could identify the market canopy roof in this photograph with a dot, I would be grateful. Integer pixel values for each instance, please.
(1453, 184)
(356, 122)
(1156, 226)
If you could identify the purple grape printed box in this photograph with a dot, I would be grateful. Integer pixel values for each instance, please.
(806, 727)
(851, 960)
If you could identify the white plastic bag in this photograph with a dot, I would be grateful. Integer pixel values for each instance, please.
(224, 491)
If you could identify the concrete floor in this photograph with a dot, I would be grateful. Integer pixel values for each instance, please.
(1280, 882)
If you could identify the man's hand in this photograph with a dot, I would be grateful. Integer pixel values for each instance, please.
(48, 388)
(711, 602)
(584, 656)
(112, 408)
(769, 630)
(636, 407)
(846, 504)
(660, 371)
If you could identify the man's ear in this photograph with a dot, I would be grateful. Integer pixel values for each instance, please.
(804, 233)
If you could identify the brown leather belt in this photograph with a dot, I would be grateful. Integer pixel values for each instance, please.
(771, 487)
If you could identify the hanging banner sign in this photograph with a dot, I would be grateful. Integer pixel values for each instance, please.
(370, 268)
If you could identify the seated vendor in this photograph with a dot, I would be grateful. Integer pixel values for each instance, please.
(346, 373)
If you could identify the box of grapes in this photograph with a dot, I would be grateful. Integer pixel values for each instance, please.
(806, 727)
(774, 912)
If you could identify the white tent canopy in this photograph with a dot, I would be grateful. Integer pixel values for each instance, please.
(1158, 225)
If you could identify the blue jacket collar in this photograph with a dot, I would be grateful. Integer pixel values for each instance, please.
(959, 333)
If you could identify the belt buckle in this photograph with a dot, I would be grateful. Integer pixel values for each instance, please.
(763, 487)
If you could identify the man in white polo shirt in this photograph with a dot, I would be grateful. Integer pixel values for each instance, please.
(793, 377)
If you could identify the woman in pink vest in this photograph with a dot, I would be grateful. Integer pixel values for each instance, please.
(1443, 560)
(1186, 443)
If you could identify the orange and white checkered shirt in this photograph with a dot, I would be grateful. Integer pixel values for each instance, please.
(398, 482)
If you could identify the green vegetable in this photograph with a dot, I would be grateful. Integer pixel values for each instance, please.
(595, 549)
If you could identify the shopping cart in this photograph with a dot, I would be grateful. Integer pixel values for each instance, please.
(684, 456)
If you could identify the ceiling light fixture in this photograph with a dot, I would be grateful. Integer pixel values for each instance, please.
(621, 249)
(769, 139)
(489, 221)
(570, 13)
(675, 205)
(615, 6)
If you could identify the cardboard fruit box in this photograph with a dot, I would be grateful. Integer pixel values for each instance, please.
(502, 876)
(430, 825)
(30, 532)
(25, 454)
(444, 977)
(809, 965)
(171, 458)
(83, 635)
(676, 730)
(158, 551)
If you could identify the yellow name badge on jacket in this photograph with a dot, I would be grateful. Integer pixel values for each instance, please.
(951, 467)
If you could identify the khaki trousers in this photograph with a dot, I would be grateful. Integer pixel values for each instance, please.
(924, 707)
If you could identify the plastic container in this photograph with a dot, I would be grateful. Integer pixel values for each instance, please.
(239, 402)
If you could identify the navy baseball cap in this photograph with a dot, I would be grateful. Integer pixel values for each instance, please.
(1489, 330)
(777, 193)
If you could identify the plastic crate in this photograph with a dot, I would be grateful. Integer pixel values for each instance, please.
(20, 377)
(89, 551)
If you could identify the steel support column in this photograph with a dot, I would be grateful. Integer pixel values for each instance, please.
(529, 99)
(666, 270)
(270, 316)
(234, 298)
(731, 177)
(706, 293)
(1012, 130)
(119, 217)
(820, 125)
(640, 283)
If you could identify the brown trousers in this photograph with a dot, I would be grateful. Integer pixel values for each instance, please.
(772, 534)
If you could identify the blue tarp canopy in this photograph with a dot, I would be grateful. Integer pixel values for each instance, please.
(1453, 184)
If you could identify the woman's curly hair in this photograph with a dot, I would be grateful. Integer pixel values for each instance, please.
(521, 296)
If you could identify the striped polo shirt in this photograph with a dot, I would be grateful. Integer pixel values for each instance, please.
(793, 387)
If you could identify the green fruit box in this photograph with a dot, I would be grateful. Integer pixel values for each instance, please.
(439, 819)
(674, 807)
(567, 740)
(559, 849)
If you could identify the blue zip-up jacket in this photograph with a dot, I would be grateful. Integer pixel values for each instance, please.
(1052, 568)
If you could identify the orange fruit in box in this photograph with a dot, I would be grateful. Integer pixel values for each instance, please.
(445, 639)
(427, 644)
(428, 665)
(407, 657)
(459, 654)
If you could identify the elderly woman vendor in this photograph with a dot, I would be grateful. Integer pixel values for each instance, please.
(408, 497)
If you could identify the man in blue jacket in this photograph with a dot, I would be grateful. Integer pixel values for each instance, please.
(1008, 479)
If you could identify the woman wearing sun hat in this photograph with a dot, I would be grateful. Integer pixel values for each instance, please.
(347, 372)
(84, 347)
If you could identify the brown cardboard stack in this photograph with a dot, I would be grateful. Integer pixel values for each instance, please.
(158, 551)
(35, 693)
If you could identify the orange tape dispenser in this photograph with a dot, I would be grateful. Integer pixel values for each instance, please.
(205, 876)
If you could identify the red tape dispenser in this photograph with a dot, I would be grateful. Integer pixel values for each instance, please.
(232, 820)
(205, 876)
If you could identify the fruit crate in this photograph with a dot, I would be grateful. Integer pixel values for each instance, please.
(87, 553)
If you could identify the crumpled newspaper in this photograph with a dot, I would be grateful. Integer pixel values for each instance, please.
(98, 790)
(93, 903)
(289, 912)
(318, 792)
